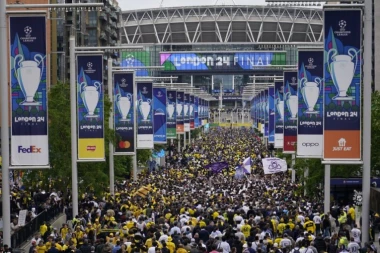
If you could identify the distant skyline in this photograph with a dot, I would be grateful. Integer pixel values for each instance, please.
(146, 4)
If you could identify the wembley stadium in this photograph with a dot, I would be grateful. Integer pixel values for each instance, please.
(219, 47)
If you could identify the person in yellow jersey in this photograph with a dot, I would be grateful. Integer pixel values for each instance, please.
(351, 215)
(41, 248)
(170, 245)
(309, 225)
(246, 229)
(291, 224)
(281, 226)
(43, 228)
(342, 219)
(64, 230)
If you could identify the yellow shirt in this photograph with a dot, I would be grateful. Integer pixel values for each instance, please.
(246, 229)
(43, 229)
(351, 212)
(41, 249)
(58, 246)
(309, 226)
(281, 228)
(170, 246)
(64, 232)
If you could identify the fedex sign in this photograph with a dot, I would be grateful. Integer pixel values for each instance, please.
(29, 150)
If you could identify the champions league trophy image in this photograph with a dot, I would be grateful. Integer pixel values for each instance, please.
(179, 109)
(191, 109)
(280, 108)
(292, 104)
(29, 76)
(123, 105)
(170, 109)
(310, 92)
(145, 109)
(185, 110)
(342, 71)
(90, 96)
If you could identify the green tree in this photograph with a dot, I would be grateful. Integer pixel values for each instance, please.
(89, 174)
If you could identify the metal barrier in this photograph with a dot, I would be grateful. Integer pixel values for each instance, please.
(26, 232)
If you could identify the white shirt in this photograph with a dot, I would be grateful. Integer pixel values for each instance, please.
(356, 234)
(225, 247)
(285, 242)
(163, 238)
(353, 247)
(301, 218)
(216, 233)
(152, 250)
(317, 219)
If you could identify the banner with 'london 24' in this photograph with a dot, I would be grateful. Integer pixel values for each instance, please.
(279, 114)
(124, 110)
(290, 111)
(342, 74)
(145, 115)
(159, 114)
(28, 81)
(90, 99)
(310, 103)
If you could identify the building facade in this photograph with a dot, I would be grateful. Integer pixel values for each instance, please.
(211, 47)
(92, 28)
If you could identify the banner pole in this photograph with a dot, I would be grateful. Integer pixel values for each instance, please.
(327, 188)
(135, 111)
(367, 90)
(6, 206)
(74, 148)
(110, 124)
(293, 170)
(305, 176)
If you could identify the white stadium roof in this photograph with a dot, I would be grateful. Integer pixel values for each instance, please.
(222, 24)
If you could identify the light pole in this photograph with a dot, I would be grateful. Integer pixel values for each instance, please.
(5, 99)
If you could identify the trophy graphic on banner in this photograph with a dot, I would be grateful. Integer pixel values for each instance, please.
(179, 109)
(191, 109)
(185, 110)
(292, 104)
(310, 92)
(90, 96)
(170, 109)
(280, 108)
(145, 107)
(123, 105)
(29, 76)
(342, 70)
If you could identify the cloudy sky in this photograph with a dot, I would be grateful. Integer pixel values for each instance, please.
(143, 4)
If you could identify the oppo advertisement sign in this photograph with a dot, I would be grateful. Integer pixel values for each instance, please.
(229, 61)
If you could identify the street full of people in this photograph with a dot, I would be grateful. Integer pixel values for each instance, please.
(188, 207)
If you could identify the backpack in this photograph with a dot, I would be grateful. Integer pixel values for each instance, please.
(296, 250)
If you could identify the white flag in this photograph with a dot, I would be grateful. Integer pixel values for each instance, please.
(274, 165)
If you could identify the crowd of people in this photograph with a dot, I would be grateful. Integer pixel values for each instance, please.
(186, 207)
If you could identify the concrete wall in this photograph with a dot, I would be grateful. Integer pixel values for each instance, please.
(56, 224)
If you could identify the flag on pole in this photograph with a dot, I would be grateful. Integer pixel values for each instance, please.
(247, 165)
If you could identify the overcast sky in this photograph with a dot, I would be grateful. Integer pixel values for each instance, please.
(144, 4)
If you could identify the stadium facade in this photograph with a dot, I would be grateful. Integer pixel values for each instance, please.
(219, 46)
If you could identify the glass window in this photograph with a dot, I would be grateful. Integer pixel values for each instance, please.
(92, 37)
(92, 18)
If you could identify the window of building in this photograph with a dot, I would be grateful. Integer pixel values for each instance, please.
(92, 37)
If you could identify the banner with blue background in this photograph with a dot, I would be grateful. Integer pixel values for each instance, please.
(310, 103)
(124, 123)
(159, 112)
(145, 115)
(266, 113)
(279, 114)
(342, 75)
(171, 123)
(90, 98)
(290, 111)
(196, 114)
(28, 91)
(186, 112)
(271, 114)
(191, 106)
(180, 112)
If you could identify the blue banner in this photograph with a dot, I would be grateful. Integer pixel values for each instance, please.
(191, 106)
(266, 114)
(290, 111)
(159, 112)
(171, 105)
(180, 112)
(90, 98)
(310, 103)
(279, 114)
(28, 81)
(124, 112)
(145, 115)
(186, 111)
(271, 114)
(200, 111)
(342, 74)
(196, 114)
